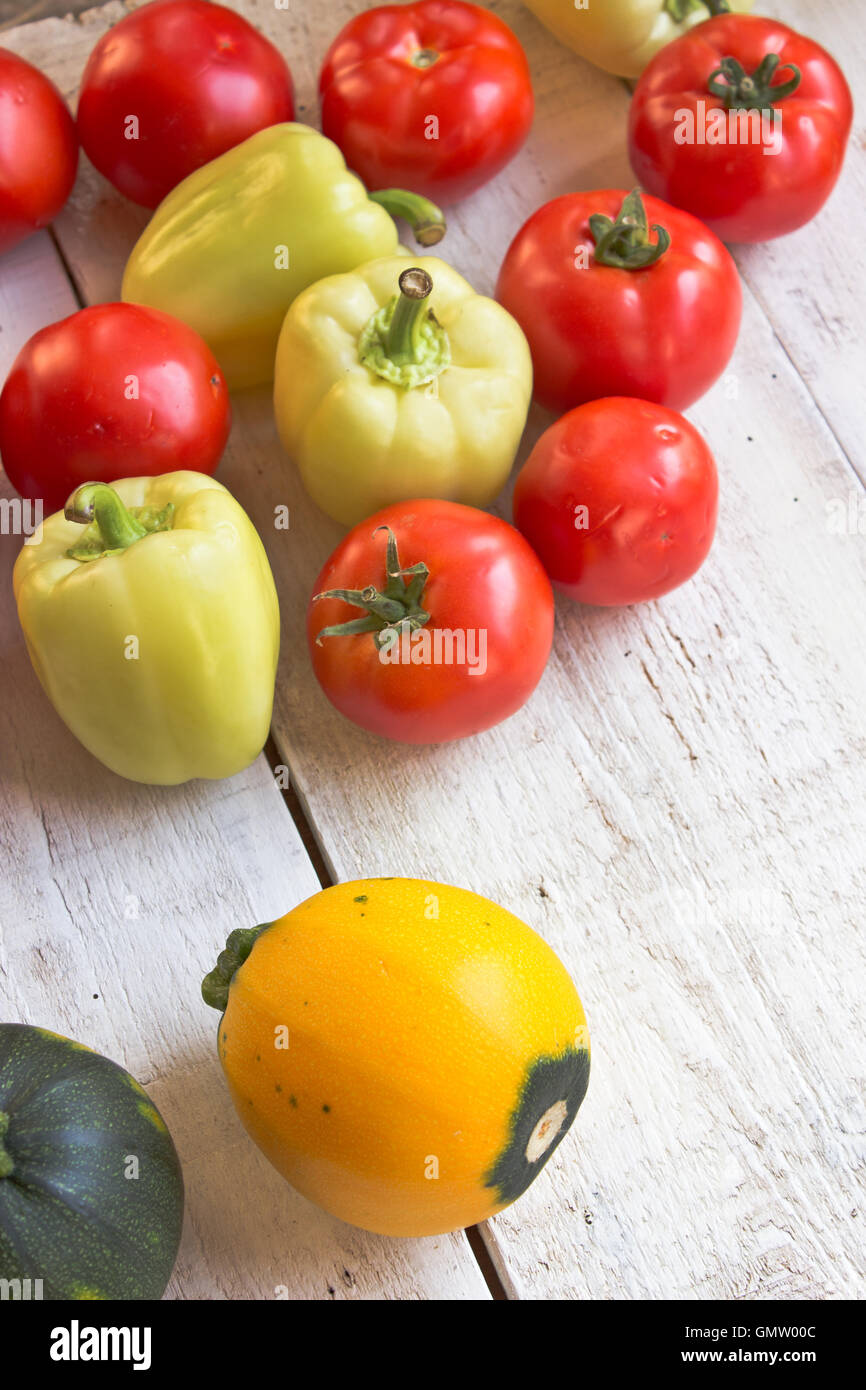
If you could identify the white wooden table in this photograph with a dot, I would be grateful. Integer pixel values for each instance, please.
(679, 810)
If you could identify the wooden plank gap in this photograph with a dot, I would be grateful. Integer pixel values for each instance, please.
(485, 1264)
(67, 268)
(298, 813)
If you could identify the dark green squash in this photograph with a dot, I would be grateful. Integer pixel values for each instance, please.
(91, 1190)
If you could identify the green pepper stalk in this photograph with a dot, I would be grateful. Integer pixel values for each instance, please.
(111, 526)
(404, 342)
(626, 243)
(425, 218)
(397, 608)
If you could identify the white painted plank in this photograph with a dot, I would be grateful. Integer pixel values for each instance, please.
(679, 810)
(812, 284)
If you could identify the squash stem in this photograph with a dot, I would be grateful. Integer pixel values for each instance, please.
(215, 986)
(6, 1164)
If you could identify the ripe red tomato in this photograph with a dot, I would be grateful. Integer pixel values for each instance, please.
(38, 150)
(619, 500)
(609, 312)
(113, 391)
(698, 138)
(435, 97)
(170, 87)
(477, 658)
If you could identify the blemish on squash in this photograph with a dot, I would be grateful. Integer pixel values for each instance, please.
(293, 1102)
(279, 1088)
(327, 1109)
(151, 1113)
(361, 899)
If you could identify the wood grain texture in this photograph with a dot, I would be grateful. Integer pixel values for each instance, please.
(679, 810)
(810, 283)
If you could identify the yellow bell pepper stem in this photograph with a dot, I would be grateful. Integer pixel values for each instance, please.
(404, 342)
(425, 218)
(111, 528)
(99, 504)
(405, 338)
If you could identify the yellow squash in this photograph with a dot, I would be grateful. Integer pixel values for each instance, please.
(408, 1055)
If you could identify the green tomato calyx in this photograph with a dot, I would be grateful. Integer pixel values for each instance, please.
(739, 91)
(626, 242)
(389, 612)
(404, 342)
(111, 527)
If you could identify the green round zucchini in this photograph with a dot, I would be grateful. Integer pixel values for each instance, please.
(91, 1189)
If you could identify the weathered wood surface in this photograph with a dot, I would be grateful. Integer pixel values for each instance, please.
(679, 810)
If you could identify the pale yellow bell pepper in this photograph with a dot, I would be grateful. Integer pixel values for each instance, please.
(150, 615)
(229, 248)
(622, 35)
(399, 381)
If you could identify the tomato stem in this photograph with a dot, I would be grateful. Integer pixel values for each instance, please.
(625, 243)
(396, 609)
(732, 84)
(424, 58)
(424, 217)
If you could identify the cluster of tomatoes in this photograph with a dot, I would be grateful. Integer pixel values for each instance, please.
(631, 306)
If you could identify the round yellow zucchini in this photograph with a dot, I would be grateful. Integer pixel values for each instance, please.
(408, 1055)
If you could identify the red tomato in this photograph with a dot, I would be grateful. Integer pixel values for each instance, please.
(38, 150)
(748, 177)
(619, 500)
(605, 319)
(490, 609)
(435, 97)
(197, 79)
(114, 391)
